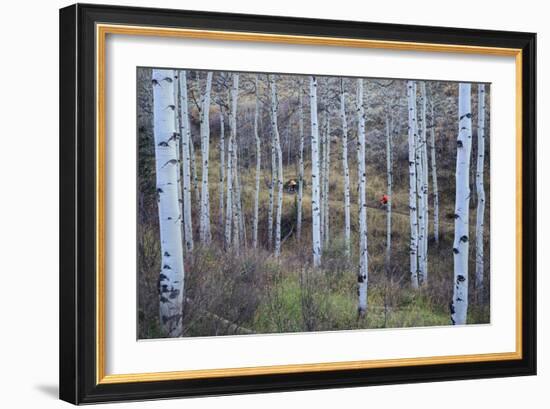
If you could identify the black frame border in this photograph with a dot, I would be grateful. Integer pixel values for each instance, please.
(78, 210)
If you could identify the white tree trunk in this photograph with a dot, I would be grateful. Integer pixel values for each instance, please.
(434, 178)
(222, 168)
(459, 306)
(194, 175)
(274, 109)
(171, 278)
(411, 98)
(205, 234)
(258, 167)
(363, 275)
(389, 181)
(230, 155)
(301, 163)
(271, 192)
(327, 182)
(236, 214)
(480, 189)
(322, 179)
(424, 185)
(177, 135)
(186, 161)
(345, 167)
(315, 176)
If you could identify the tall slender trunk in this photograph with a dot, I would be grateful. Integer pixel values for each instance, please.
(389, 181)
(413, 251)
(424, 184)
(194, 174)
(315, 176)
(345, 167)
(363, 274)
(300, 163)
(327, 181)
(236, 208)
(323, 136)
(230, 156)
(480, 189)
(205, 234)
(274, 112)
(185, 132)
(222, 168)
(459, 305)
(434, 177)
(258, 167)
(172, 273)
(271, 192)
(177, 135)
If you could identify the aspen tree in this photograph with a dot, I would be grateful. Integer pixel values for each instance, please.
(258, 167)
(315, 176)
(424, 186)
(205, 234)
(459, 305)
(389, 181)
(185, 132)
(172, 273)
(480, 188)
(345, 167)
(301, 162)
(327, 181)
(413, 251)
(363, 274)
(277, 140)
(222, 167)
(230, 155)
(434, 176)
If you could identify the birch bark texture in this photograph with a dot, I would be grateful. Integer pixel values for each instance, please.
(185, 132)
(222, 167)
(434, 176)
(230, 147)
(258, 166)
(459, 304)
(315, 174)
(389, 181)
(277, 141)
(205, 233)
(424, 186)
(326, 182)
(300, 162)
(480, 188)
(363, 275)
(171, 276)
(412, 137)
(345, 168)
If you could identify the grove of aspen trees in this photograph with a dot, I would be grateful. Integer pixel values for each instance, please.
(272, 203)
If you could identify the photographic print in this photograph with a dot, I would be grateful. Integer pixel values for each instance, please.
(279, 203)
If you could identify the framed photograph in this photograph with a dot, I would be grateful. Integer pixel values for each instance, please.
(257, 203)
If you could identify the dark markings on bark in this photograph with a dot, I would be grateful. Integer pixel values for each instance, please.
(174, 293)
(464, 239)
(460, 279)
(170, 162)
(455, 250)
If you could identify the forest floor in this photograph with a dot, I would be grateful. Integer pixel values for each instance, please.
(253, 292)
